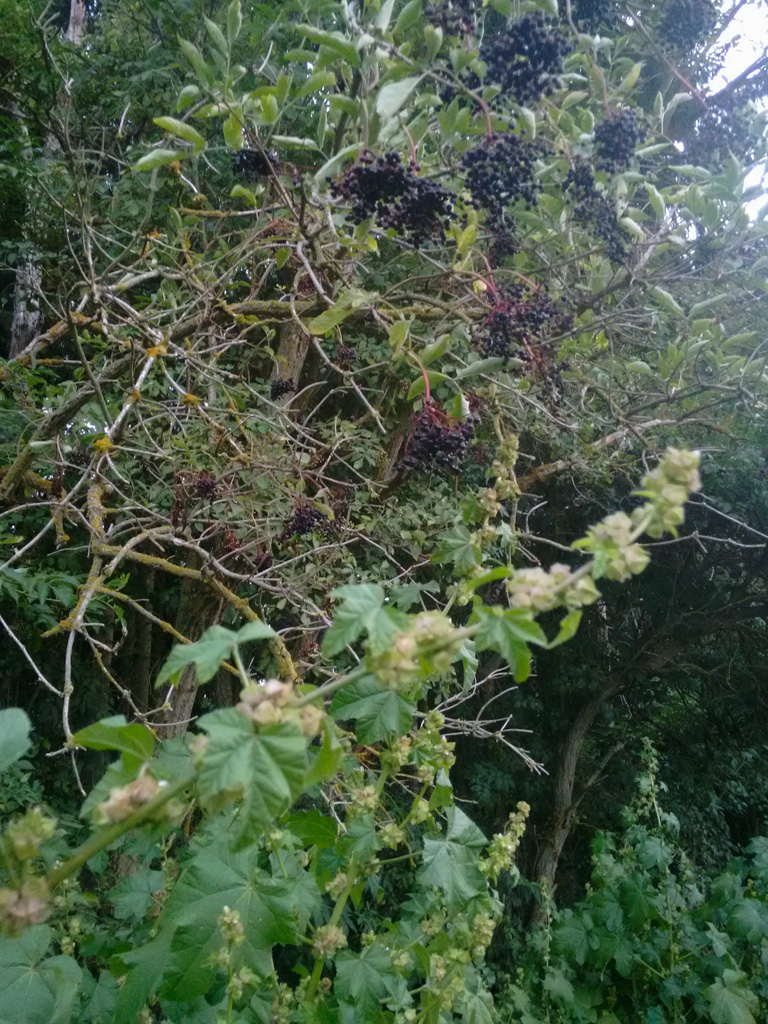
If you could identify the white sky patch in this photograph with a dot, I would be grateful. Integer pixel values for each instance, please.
(749, 32)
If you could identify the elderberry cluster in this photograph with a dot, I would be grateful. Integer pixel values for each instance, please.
(594, 15)
(304, 519)
(504, 242)
(500, 170)
(617, 137)
(436, 442)
(396, 195)
(686, 22)
(723, 128)
(278, 387)
(455, 17)
(527, 59)
(517, 318)
(205, 486)
(371, 184)
(253, 164)
(595, 211)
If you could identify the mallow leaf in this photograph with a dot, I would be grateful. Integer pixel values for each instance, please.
(265, 770)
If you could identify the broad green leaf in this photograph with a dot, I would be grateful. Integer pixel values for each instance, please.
(179, 961)
(568, 627)
(500, 572)
(457, 547)
(383, 18)
(358, 604)
(102, 1001)
(255, 630)
(433, 37)
(15, 728)
(656, 199)
(558, 986)
(434, 350)
(632, 227)
(158, 158)
(206, 654)
(398, 335)
(294, 142)
(450, 863)
(749, 920)
(484, 366)
(332, 166)
(330, 318)
(667, 300)
(270, 111)
(638, 366)
(216, 36)
(182, 130)
(713, 300)
(195, 58)
(333, 40)
(313, 828)
(35, 989)
(360, 840)
(653, 852)
(378, 713)
(131, 898)
(606, 909)
(241, 192)
(319, 80)
(508, 632)
(134, 740)
(635, 903)
(393, 95)
(629, 80)
(188, 95)
(265, 771)
(361, 979)
(232, 129)
(572, 935)
(419, 385)
(731, 1002)
(325, 761)
(234, 21)
(409, 15)
(476, 1002)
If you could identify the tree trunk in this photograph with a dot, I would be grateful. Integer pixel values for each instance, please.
(561, 817)
(198, 609)
(291, 353)
(78, 10)
(27, 320)
(140, 683)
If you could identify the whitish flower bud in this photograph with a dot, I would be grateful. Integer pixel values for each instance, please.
(266, 714)
(328, 940)
(24, 907)
(506, 488)
(311, 718)
(231, 927)
(337, 885)
(488, 501)
(26, 834)
(124, 800)
(581, 593)
(391, 836)
(364, 800)
(420, 813)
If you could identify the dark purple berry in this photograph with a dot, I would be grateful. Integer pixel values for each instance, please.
(526, 60)
(278, 387)
(617, 137)
(500, 171)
